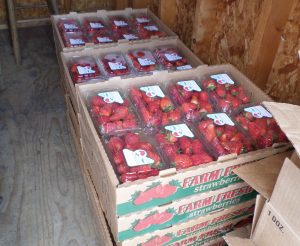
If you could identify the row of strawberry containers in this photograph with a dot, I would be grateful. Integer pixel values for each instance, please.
(170, 185)
(105, 28)
(78, 69)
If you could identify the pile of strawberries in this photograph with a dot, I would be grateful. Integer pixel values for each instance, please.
(194, 103)
(170, 58)
(112, 116)
(225, 139)
(84, 69)
(115, 64)
(145, 161)
(228, 97)
(143, 60)
(156, 109)
(263, 130)
(182, 151)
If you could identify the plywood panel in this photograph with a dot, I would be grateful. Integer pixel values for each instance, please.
(284, 80)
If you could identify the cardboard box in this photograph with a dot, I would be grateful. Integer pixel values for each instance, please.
(276, 220)
(123, 48)
(104, 14)
(196, 180)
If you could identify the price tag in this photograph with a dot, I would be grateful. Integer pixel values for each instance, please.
(137, 158)
(189, 85)
(145, 62)
(221, 119)
(130, 36)
(151, 28)
(116, 66)
(153, 91)
(185, 67)
(104, 39)
(70, 26)
(142, 20)
(85, 70)
(259, 112)
(120, 23)
(222, 79)
(96, 25)
(76, 41)
(173, 57)
(180, 130)
(111, 97)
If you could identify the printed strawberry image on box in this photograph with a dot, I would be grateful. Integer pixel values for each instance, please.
(191, 99)
(226, 93)
(114, 64)
(182, 147)
(83, 69)
(92, 25)
(223, 135)
(134, 157)
(171, 58)
(261, 126)
(111, 112)
(183, 210)
(156, 108)
(66, 25)
(143, 60)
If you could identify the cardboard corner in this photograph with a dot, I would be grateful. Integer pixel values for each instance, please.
(239, 237)
(262, 175)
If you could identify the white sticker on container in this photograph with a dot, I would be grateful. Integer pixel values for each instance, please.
(151, 28)
(71, 26)
(180, 130)
(142, 20)
(189, 85)
(116, 66)
(130, 36)
(111, 97)
(85, 70)
(259, 112)
(104, 39)
(145, 62)
(76, 41)
(222, 78)
(173, 57)
(120, 23)
(96, 25)
(137, 158)
(221, 119)
(185, 67)
(153, 91)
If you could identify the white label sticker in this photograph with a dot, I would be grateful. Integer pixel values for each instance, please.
(142, 20)
(120, 23)
(116, 66)
(130, 36)
(70, 26)
(222, 78)
(173, 57)
(151, 28)
(189, 85)
(145, 61)
(111, 97)
(104, 39)
(259, 112)
(153, 91)
(221, 119)
(76, 41)
(137, 158)
(180, 130)
(185, 67)
(85, 70)
(96, 25)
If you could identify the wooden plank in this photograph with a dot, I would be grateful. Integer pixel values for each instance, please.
(273, 17)
(121, 4)
(167, 12)
(283, 82)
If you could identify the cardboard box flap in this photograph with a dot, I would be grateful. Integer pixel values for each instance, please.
(262, 175)
(288, 118)
(286, 195)
(239, 237)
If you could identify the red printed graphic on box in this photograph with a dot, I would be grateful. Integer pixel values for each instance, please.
(192, 100)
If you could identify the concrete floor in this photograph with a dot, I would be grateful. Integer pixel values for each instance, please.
(40, 180)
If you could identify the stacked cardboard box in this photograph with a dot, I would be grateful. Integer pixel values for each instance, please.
(209, 200)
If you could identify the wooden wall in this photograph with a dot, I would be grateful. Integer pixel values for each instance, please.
(260, 37)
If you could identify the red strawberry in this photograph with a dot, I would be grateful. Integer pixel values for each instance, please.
(106, 110)
(188, 107)
(169, 150)
(265, 141)
(122, 169)
(109, 127)
(156, 158)
(129, 124)
(145, 146)
(197, 146)
(131, 138)
(182, 161)
(218, 147)
(161, 139)
(195, 100)
(119, 158)
(97, 101)
(201, 158)
(185, 145)
(166, 104)
(102, 120)
(153, 106)
(221, 92)
(120, 113)
(209, 84)
(115, 144)
(203, 96)
(210, 132)
(174, 116)
(233, 147)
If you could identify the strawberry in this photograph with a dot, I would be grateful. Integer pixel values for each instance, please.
(218, 147)
(131, 138)
(201, 158)
(119, 113)
(174, 116)
(129, 124)
(115, 144)
(185, 145)
(153, 106)
(203, 96)
(106, 110)
(220, 91)
(118, 158)
(188, 107)
(101, 120)
(197, 146)
(169, 150)
(122, 169)
(209, 84)
(182, 161)
(97, 101)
